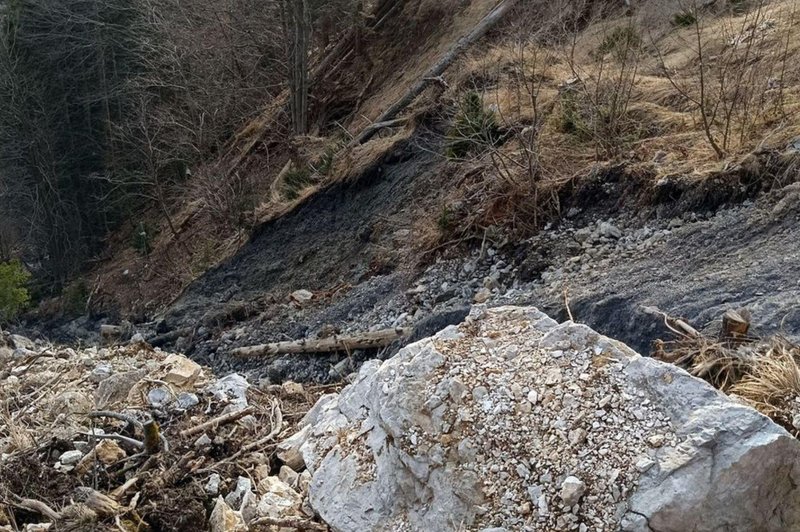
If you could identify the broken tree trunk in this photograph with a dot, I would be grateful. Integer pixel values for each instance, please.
(735, 326)
(369, 340)
(438, 69)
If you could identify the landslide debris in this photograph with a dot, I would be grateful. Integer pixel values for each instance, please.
(134, 438)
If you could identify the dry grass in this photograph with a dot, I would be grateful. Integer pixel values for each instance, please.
(772, 382)
(764, 373)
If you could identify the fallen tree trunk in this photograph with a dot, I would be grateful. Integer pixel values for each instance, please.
(438, 69)
(369, 340)
(171, 336)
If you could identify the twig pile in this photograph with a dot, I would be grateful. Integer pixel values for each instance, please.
(132, 438)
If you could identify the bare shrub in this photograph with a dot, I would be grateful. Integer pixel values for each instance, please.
(735, 82)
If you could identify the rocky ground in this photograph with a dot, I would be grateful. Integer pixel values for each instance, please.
(614, 273)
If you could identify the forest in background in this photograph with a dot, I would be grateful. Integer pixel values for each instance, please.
(107, 105)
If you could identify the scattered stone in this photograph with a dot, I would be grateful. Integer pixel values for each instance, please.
(292, 388)
(212, 486)
(203, 441)
(644, 463)
(572, 489)
(100, 373)
(70, 458)
(116, 388)
(181, 371)
(159, 397)
(109, 452)
(70, 403)
(186, 400)
(278, 499)
(288, 476)
(301, 297)
(235, 498)
(610, 231)
(482, 295)
(224, 519)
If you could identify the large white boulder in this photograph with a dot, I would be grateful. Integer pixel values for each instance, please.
(514, 421)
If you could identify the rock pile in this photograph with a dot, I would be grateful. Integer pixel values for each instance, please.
(513, 422)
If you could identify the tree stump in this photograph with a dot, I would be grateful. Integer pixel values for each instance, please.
(735, 326)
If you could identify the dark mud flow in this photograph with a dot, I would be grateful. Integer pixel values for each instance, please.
(327, 241)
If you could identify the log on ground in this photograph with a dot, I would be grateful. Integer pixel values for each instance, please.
(368, 340)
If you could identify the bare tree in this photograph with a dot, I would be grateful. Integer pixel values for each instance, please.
(297, 31)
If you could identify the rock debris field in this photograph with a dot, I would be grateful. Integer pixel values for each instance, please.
(508, 421)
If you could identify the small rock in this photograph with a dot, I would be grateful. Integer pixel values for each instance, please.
(71, 403)
(572, 490)
(644, 463)
(482, 295)
(22, 342)
(100, 373)
(212, 486)
(292, 388)
(582, 235)
(181, 371)
(301, 297)
(232, 386)
(116, 388)
(70, 458)
(159, 397)
(279, 499)
(491, 282)
(553, 377)
(109, 452)
(236, 497)
(289, 476)
(610, 231)
(203, 441)
(224, 519)
(533, 397)
(186, 400)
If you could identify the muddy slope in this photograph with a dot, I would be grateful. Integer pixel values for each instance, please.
(337, 236)
(743, 256)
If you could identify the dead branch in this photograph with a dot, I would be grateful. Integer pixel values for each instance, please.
(114, 436)
(277, 425)
(38, 507)
(292, 523)
(217, 421)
